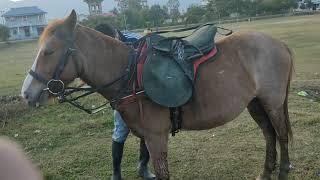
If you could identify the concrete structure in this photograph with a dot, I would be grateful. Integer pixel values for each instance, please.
(303, 5)
(25, 22)
(95, 6)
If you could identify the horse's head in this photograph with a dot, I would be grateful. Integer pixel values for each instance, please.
(54, 65)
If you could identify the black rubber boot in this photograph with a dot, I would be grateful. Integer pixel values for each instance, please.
(117, 151)
(144, 171)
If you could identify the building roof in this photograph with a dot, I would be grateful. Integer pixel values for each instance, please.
(23, 11)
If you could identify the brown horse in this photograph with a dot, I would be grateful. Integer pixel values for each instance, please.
(253, 71)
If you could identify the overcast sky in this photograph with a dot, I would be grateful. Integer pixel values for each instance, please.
(60, 8)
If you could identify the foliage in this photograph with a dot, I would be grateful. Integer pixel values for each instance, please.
(278, 6)
(157, 15)
(131, 14)
(173, 7)
(93, 21)
(309, 4)
(194, 14)
(221, 8)
(4, 33)
(135, 16)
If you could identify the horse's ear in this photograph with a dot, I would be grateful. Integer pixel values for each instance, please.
(71, 21)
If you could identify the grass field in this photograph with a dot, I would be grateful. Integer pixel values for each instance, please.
(68, 144)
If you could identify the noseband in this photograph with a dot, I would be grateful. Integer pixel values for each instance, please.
(55, 85)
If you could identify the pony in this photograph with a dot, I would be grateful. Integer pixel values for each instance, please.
(253, 71)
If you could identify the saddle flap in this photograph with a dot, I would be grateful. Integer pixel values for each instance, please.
(203, 38)
(164, 82)
(167, 44)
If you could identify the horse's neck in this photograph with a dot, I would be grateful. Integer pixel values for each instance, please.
(104, 59)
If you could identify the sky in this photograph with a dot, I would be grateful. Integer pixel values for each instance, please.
(61, 8)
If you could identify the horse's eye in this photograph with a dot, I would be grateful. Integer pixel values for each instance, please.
(48, 52)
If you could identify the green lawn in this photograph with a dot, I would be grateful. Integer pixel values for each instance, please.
(69, 144)
(15, 60)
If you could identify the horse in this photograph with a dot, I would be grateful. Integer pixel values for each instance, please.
(253, 71)
(14, 164)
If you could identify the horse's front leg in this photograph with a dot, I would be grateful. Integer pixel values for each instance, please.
(158, 148)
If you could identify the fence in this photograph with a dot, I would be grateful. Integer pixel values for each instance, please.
(239, 19)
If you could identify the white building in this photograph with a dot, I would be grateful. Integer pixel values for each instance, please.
(25, 22)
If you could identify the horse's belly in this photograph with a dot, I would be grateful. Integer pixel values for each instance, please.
(223, 90)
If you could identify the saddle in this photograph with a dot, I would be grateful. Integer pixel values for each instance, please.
(170, 64)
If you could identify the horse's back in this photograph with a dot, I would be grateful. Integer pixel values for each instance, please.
(248, 64)
(269, 63)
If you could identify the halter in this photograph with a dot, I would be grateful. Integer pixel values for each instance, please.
(55, 85)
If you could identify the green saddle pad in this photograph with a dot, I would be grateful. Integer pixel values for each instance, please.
(164, 81)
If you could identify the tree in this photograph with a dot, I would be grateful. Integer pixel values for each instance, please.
(194, 14)
(309, 4)
(216, 9)
(93, 21)
(222, 8)
(157, 15)
(115, 11)
(173, 7)
(134, 18)
(124, 5)
(4, 33)
(134, 4)
(278, 6)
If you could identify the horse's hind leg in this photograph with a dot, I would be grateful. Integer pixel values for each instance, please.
(258, 113)
(281, 124)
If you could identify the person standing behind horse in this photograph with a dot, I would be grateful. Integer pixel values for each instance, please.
(121, 131)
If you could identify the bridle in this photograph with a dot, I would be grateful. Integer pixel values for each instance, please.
(56, 87)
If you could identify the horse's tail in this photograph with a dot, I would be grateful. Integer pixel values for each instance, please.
(288, 124)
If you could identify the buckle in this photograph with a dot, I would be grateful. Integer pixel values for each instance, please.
(55, 87)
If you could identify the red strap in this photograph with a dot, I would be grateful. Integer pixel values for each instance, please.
(142, 59)
(203, 59)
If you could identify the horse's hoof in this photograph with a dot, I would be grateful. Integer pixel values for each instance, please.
(283, 176)
(146, 174)
(263, 177)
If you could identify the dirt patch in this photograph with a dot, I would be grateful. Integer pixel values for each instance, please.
(10, 107)
(9, 99)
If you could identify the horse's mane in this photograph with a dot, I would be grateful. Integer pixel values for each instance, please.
(49, 30)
